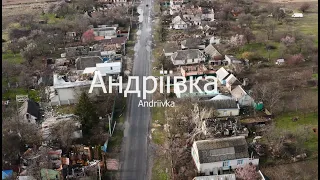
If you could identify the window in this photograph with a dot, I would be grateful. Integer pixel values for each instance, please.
(225, 163)
(239, 162)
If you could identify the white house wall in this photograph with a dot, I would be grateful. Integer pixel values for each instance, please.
(70, 95)
(168, 54)
(195, 155)
(205, 167)
(228, 112)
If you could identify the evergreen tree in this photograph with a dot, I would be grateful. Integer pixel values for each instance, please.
(87, 114)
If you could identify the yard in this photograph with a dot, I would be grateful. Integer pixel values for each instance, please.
(11, 94)
(13, 58)
(307, 25)
(307, 170)
(308, 120)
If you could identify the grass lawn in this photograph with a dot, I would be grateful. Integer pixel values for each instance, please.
(260, 48)
(310, 119)
(51, 18)
(159, 169)
(315, 75)
(285, 121)
(11, 94)
(65, 109)
(14, 58)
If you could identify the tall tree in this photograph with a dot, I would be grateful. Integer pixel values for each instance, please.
(86, 112)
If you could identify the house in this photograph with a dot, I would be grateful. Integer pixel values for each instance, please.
(178, 23)
(192, 43)
(105, 55)
(30, 111)
(65, 92)
(105, 32)
(211, 90)
(222, 74)
(215, 57)
(112, 68)
(242, 96)
(118, 44)
(232, 82)
(170, 48)
(214, 40)
(280, 62)
(76, 51)
(217, 177)
(297, 15)
(220, 97)
(232, 60)
(217, 155)
(87, 61)
(214, 127)
(196, 70)
(224, 107)
(192, 19)
(207, 14)
(186, 57)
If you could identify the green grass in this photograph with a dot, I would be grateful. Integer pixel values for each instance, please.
(158, 115)
(51, 18)
(14, 25)
(159, 169)
(260, 48)
(158, 136)
(10, 57)
(11, 94)
(65, 109)
(310, 120)
(285, 121)
(315, 75)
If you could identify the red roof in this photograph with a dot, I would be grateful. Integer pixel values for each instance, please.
(98, 38)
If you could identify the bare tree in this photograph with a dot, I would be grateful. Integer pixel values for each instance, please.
(245, 20)
(269, 28)
(248, 35)
(64, 132)
(269, 93)
(304, 7)
(262, 18)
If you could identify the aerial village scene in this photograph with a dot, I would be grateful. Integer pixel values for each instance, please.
(72, 111)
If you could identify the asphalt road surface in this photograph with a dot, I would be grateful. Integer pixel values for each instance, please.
(134, 158)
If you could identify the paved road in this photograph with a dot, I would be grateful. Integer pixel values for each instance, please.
(134, 165)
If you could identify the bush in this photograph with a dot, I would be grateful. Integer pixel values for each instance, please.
(251, 56)
(271, 47)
